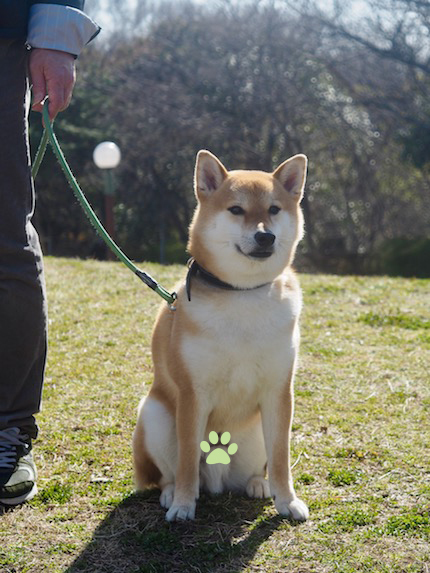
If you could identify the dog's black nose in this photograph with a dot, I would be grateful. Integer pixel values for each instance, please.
(265, 239)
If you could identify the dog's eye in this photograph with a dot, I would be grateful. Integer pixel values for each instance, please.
(274, 210)
(236, 210)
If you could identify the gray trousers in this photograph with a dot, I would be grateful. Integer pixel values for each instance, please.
(22, 288)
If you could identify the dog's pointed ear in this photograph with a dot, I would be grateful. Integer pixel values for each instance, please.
(292, 175)
(209, 174)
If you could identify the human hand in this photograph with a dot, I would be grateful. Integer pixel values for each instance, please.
(52, 74)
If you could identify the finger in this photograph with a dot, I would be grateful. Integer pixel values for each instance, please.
(39, 92)
(55, 94)
(60, 94)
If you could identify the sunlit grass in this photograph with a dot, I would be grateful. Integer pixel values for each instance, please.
(360, 444)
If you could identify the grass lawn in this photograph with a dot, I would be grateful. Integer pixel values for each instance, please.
(360, 442)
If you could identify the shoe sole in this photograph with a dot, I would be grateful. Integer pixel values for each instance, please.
(21, 499)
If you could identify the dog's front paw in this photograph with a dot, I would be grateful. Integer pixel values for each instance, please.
(295, 509)
(181, 512)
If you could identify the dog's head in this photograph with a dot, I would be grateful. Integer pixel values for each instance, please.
(247, 224)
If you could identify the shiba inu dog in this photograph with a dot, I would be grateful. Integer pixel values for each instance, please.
(224, 360)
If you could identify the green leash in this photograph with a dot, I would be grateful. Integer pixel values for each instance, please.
(49, 135)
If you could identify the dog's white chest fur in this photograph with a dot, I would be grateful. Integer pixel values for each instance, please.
(246, 343)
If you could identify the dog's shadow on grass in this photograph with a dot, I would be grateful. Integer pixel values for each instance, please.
(135, 537)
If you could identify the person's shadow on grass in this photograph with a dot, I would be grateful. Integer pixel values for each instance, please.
(135, 538)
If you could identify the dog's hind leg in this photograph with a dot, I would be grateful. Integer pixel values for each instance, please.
(154, 448)
(145, 471)
(248, 465)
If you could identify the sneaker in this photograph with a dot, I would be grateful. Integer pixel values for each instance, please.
(17, 470)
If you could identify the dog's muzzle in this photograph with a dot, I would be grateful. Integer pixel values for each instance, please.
(265, 241)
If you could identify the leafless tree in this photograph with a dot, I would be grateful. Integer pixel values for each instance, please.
(256, 82)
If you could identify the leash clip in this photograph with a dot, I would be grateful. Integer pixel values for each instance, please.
(171, 305)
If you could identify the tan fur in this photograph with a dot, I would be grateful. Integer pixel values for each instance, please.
(225, 360)
(145, 470)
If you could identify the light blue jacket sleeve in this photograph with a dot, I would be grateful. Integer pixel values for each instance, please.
(58, 27)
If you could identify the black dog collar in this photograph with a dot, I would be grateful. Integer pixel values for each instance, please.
(195, 270)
